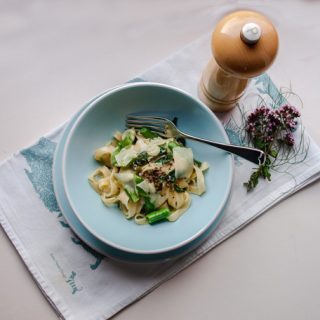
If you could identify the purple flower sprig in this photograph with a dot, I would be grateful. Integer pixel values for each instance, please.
(270, 130)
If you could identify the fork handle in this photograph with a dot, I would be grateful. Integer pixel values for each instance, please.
(251, 154)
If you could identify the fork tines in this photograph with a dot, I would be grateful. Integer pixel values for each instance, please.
(154, 123)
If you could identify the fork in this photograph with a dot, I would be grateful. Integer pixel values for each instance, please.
(167, 129)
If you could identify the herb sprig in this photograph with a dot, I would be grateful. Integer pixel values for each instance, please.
(270, 130)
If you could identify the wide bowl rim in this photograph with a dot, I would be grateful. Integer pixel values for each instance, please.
(88, 109)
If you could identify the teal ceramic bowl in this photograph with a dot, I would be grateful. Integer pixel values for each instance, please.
(96, 125)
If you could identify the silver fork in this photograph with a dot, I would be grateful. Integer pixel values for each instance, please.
(167, 129)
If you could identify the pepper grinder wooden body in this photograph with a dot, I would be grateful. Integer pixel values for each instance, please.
(244, 45)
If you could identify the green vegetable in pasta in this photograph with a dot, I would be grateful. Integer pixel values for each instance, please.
(141, 159)
(133, 194)
(173, 144)
(148, 176)
(128, 138)
(197, 163)
(147, 133)
(158, 215)
(137, 179)
(114, 154)
(148, 205)
(171, 176)
(165, 158)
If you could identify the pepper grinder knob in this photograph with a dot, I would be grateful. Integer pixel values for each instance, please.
(250, 33)
(244, 45)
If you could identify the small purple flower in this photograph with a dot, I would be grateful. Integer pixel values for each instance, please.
(269, 139)
(288, 139)
(287, 115)
(267, 125)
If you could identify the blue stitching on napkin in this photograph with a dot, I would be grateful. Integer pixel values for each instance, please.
(40, 159)
(269, 88)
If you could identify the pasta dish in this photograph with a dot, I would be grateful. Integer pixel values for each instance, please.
(150, 178)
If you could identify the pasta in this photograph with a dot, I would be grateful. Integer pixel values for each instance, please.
(150, 178)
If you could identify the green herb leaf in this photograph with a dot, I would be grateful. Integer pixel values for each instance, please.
(163, 149)
(127, 139)
(113, 155)
(170, 177)
(173, 144)
(166, 158)
(258, 143)
(262, 172)
(137, 179)
(266, 173)
(148, 205)
(273, 153)
(133, 195)
(141, 159)
(197, 162)
(253, 181)
(142, 193)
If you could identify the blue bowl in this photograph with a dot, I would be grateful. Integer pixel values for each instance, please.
(96, 125)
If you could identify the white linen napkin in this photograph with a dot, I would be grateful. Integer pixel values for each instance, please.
(82, 284)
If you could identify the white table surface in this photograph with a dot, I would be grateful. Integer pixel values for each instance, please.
(56, 55)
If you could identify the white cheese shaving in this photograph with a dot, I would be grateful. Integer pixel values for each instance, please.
(183, 162)
(147, 186)
(125, 156)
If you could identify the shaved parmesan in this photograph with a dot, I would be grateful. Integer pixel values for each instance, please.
(125, 156)
(183, 162)
(147, 186)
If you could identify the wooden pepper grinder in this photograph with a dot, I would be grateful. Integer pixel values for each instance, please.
(244, 45)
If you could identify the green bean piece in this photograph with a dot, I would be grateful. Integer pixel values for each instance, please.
(158, 215)
(147, 133)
